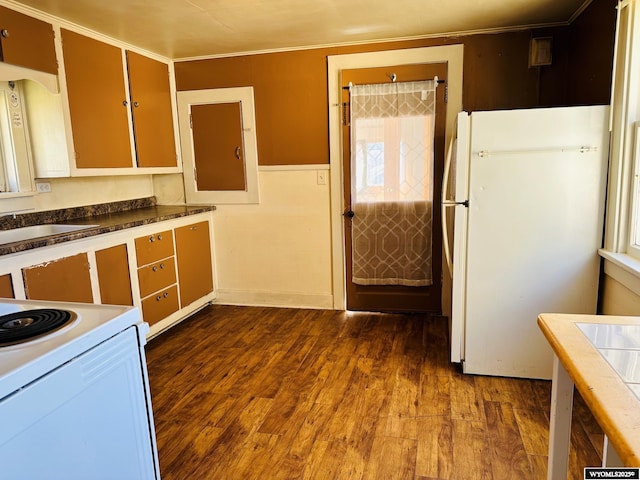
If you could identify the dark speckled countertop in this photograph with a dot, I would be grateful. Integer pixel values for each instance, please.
(110, 217)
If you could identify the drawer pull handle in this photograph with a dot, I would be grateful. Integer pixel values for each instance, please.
(5, 33)
(193, 228)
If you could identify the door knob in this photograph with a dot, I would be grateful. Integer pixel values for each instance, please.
(349, 214)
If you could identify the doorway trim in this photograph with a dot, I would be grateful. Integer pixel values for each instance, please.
(450, 54)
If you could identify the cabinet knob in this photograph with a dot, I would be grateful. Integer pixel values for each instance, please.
(154, 268)
(125, 103)
(165, 295)
(159, 237)
(5, 33)
(158, 298)
(136, 104)
(161, 266)
(152, 239)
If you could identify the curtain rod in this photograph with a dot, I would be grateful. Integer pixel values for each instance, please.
(393, 80)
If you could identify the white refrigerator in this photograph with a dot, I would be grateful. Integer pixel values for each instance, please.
(527, 196)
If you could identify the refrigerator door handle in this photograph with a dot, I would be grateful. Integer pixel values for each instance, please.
(445, 203)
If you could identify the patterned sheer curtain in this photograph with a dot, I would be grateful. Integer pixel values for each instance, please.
(392, 148)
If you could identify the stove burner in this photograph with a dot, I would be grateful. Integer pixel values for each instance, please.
(24, 325)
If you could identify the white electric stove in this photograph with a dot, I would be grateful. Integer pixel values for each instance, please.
(74, 398)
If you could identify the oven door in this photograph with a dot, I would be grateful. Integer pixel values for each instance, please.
(86, 419)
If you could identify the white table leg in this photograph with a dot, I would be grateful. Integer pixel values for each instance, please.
(610, 457)
(560, 426)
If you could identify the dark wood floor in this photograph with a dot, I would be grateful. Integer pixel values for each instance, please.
(264, 393)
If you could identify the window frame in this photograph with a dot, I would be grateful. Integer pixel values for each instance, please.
(621, 249)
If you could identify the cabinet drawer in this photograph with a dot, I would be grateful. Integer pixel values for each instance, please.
(156, 276)
(152, 248)
(161, 305)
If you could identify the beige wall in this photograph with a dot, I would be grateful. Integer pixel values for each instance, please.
(616, 299)
(277, 253)
(74, 192)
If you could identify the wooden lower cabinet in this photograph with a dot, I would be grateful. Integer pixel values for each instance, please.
(65, 280)
(167, 273)
(114, 277)
(6, 286)
(160, 305)
(193, 253)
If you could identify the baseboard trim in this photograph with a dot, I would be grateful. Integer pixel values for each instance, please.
(274, 299)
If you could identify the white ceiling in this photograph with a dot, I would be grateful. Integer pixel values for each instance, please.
(191, 28)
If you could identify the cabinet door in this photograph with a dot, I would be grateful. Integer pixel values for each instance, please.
(218, 147)
(113, 275)
(65, 280)
(6, 287)
(152, 113)
(193, 252)
(97, 102)
(27, 42)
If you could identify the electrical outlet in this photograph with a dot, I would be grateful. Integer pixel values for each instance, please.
(43, 187)
(322, 177)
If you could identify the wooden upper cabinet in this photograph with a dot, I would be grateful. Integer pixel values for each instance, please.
(97, 102)
(193, 253)
(152, 112)
(27, 42)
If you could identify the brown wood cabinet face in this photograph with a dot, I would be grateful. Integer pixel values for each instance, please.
(6, 287)
(161, 305)
(64, 280)
(28, 42)
(218, 146)
(152, 248)
(97, 101)
(156, 276)
(152, 114)
(193, 252)
(113, 275)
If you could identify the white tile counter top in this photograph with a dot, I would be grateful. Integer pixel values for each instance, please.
(600, 355)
